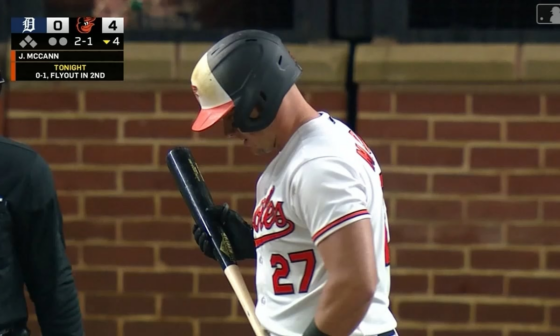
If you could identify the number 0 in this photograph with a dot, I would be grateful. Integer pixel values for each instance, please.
(113, 25)
(57, 25)
(282, 271)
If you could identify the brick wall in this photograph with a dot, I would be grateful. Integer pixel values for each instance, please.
(472, 184)
(472, 181)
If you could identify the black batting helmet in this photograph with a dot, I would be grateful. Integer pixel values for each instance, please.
(247, 70)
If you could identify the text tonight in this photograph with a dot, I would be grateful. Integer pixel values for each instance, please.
(70, 67)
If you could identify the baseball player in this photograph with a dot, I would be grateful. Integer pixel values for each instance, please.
(319, 232)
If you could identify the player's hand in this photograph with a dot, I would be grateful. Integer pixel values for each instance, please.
(239, 233)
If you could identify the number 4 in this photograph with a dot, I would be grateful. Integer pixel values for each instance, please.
(116, 41)
(283, 267)
(113, 25)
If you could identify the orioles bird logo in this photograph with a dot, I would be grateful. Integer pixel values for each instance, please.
(84, 25)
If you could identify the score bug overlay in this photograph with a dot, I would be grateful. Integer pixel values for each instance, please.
(59, 48)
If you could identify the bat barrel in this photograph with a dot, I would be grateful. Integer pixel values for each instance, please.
(193, 189)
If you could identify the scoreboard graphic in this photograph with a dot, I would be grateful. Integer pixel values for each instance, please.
(67, 49)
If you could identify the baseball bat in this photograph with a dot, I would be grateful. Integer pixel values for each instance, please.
(192, 187)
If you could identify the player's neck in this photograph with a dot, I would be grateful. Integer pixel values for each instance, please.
(296, 118)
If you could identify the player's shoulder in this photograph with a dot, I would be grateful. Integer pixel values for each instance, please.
(328, 138)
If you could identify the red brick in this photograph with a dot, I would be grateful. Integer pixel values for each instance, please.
(533, 333)
(57, 153)
(393, 129)
(176, 206)
(179, 101)
(120, 305)
(551, 210)
(467, 131)
(23, 128)
(553, 260)
(409, 284)
(218, 283)
(382, 154)
(374, 101)
(428, 209)
(509, 313)
(117, 154)
(470, 234)
(81, 129)
(553, 104)
(225, 328)
(156, 231)
(148, 181)
(466, 184)
(119, 255)
(204, 155)
(158, 328)
(408, 233)
(534, 235)
(158, 282)
(445, 312)
(504, 158)
(506, 104)
(84, 180)
(182, 256)
(504, 259)
(86, 230)
(469, 332)
(502, 210)
(68, 205)
(546, 288)
(402, 182)
(433, 259)
(243, 156)
(95, 280)
(73, 254)
(431, 103)
(45, 101)
(534, 184)
(533, 131)
(552, 158)
(555, 316)
(468, 285)
(119, 206)
(430, 156)
(99, 327)
(195, 307)
(246, 207)
(232, 181)
(120, 101)
(328, 101)
(158, 129)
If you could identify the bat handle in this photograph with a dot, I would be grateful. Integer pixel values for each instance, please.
(240, 288)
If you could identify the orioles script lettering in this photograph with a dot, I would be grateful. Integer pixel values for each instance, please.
(269, 221)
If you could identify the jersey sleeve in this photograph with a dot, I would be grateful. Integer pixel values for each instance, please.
(329, 195)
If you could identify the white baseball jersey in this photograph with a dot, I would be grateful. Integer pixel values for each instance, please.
(325, 178)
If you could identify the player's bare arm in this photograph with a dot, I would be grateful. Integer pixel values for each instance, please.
(349, 260)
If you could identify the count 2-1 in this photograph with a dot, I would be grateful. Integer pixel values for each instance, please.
(79, 41)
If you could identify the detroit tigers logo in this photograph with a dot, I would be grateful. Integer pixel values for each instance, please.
(269, 221)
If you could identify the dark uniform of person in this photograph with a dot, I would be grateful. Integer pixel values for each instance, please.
(32, 247)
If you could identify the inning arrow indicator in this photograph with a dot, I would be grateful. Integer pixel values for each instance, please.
(106, 41)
